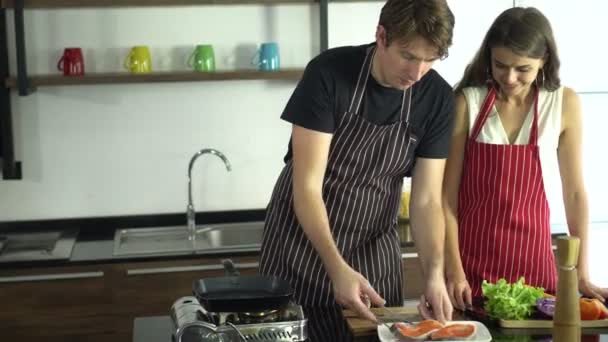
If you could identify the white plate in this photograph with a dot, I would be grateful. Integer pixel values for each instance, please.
(481, 335)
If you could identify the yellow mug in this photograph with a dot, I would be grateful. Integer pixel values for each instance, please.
(138, 61)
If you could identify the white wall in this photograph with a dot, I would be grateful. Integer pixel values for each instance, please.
(123, 149)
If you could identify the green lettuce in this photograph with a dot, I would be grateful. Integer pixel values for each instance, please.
(510, 301)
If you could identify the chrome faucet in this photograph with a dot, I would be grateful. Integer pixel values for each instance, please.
(190, 213)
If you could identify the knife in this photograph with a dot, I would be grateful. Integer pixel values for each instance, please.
(394, 319)
(393, 316)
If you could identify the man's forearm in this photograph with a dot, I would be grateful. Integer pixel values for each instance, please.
(428, 227)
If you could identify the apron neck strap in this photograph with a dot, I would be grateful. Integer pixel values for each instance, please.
(406, 104)
(364, 74)
(486, 108)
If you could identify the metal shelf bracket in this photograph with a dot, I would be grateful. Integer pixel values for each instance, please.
(22, 79)
(11, 169)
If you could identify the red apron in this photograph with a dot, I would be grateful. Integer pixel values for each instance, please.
(503, 214)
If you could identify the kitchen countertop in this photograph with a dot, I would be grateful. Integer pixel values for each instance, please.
(95, 241)
(100, 249)
(94, 251)
(159, 329)
(96, 244)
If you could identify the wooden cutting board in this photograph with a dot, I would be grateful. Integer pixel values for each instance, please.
(362, 327)
(545, 323)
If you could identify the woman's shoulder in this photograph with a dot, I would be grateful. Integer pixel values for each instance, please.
(474, 95)
(570, 101)
(563, 96)
(568, 93)
(475, 90)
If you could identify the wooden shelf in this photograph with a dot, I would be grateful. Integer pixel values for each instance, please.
(150, 3)
(179, 76)
(143, 3)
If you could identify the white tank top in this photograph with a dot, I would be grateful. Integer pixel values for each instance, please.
(549, 128)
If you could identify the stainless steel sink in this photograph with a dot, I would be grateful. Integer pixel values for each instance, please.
(156, 240)
(50, 245)
(229, 236)
(213, 238)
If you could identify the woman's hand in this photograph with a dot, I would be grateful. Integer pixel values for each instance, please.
(351, 289)
(592, 291)
(459, 291)
(435, 302)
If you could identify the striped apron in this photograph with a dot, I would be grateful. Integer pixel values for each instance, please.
(361, 191)
(503, 213)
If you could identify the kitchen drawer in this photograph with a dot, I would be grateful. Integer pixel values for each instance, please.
(53, 288)
(413, 282)
(150, 288)
(56, 304)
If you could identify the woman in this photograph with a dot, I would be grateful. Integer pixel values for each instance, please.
(512, 119)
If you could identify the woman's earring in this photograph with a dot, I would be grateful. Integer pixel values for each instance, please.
(541, 73)
(489, 78)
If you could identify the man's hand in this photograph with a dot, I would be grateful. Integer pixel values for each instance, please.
(435, 302)
(351, 289)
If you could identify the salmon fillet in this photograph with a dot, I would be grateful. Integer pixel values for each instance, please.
(457, 331)
(418, 331)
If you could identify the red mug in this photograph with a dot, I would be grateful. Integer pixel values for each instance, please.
(72, 62)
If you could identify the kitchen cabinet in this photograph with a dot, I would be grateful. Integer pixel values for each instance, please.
(98, 302)
(413, 282)
(56, 303)
(149, 289)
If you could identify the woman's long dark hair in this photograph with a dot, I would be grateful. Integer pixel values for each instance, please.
(527, 32)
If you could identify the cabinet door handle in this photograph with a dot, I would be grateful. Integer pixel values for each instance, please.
(409, 255)
(55, 276)
(247, 265)
(193, 268)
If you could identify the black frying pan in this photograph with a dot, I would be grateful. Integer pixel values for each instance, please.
(236, 293)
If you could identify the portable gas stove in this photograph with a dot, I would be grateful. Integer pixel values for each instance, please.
(192, 323)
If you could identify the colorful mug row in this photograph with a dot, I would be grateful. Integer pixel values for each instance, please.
(139, 60)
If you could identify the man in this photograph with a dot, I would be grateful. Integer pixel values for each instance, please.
(363, 118)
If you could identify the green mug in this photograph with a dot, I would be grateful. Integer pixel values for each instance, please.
(202, 58)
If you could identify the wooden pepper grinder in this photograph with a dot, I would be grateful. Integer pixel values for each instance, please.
(567, 309)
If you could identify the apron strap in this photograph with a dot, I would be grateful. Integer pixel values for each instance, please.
(405, 107)
(362, 79)
(364, 73)
(534, 131)
(484, 111)
(486, 108)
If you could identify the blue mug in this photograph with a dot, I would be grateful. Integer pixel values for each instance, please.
(267, 57)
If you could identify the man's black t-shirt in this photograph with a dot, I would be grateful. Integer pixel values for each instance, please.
(327, 86)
